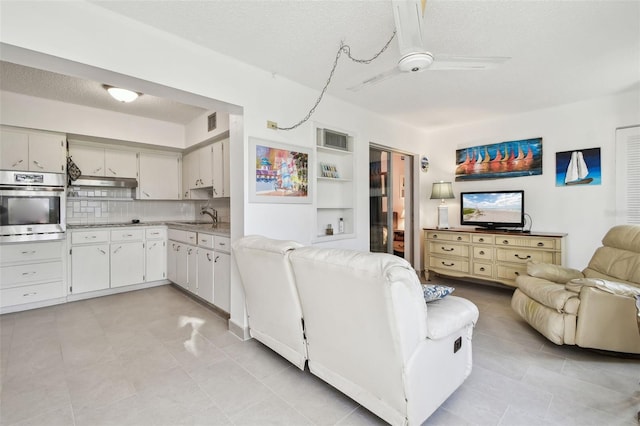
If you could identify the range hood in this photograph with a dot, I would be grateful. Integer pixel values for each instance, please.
(105, 182)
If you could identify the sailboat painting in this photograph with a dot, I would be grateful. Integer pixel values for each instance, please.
(579, 167)
(500, 160)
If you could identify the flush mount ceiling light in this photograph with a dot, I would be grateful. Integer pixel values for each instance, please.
(122, 95)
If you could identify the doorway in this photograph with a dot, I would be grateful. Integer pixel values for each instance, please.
(390, 202)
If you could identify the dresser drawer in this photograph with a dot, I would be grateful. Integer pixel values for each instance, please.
(188, 237)
(452, 265)
(482, 239)
(448, 236)
(483, 253)
(27, 252)
(83, 237)
(14, 276)
(155, 233)
(484, 270)
(510, 272)
(221, 243)
(523, 255)
(125, 234)
(31, 293)
(450, 249)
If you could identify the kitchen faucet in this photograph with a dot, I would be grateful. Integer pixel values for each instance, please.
(213, 214)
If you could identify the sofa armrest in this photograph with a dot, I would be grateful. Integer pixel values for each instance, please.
(613, 287)
(555, 273)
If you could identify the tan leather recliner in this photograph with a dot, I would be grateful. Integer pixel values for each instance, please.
(595, 308)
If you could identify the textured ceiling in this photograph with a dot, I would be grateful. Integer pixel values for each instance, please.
(561, 51)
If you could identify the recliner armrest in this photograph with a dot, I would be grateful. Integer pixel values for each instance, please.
(613, 287)
(555, 273)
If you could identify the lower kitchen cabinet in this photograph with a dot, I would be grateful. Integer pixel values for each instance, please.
(156, 260)
(89, 268)
(206, 274)
(127, 263)
(221, 277)
(192, 269)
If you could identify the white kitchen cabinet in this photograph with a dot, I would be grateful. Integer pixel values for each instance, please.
(192, 269)
(221, 279)
(172, 261)
(31, 273)
(197, 173)
(127, 263)
(205, 274)
(159, 176)
(29, 150)
(177, 264)
(89, 267)
(156, 254)
(220, 166)
(96, 160)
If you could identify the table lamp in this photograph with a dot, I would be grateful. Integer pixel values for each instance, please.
(443, 191)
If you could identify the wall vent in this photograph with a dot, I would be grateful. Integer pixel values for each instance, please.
(212, 122)
(332, 139)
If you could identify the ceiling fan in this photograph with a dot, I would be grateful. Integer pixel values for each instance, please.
(409, 17)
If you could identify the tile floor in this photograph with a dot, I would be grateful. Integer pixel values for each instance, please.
(157, 357)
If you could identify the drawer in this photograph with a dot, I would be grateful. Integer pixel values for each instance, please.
(453, 265)
(221, 243)
(482, 239)
(448, 249)
(523, 255)
(155, 233)
(448, 236)
(27, 252)
(483, 253)
(510, 272)
(534, 242)
(547, 243)
(14, 276)
(206, 240)
(126, 234)
(483, 269)
(183, 236)
(81, 237)
(31, 293)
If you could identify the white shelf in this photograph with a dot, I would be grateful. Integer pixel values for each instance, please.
(328, 179)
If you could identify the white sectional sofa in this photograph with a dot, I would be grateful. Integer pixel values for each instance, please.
(362, 322)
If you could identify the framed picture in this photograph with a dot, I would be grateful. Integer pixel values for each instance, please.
(278, 173)
(579, 167)
(500, 160)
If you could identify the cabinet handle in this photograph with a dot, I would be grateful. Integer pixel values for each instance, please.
(154, 233)
(222, 244)
(29, 273)
(111, 170)
(481, 240)
(97, 170)
(127, 235)
(189, 251)
(16, 163)
(203, 240)
(102, 251)
(517, 273)
(505, 242)
(209, 256)
(178, 249)
(152, 246)
(482, 269)
(522, 258)
(145, 193)
(38, 164)
(459, 238)
(215, 192)
(435, 236)
(216, 259)
(28, 252)
(90, 237)
(481, 252)
(541, 244)
(446, 249)
(448, 264)
(33, 293)
(117, 250)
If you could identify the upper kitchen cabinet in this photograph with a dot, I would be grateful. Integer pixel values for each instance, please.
(197, 174)
(160, 176)
(96, 160)
(221, 165)
(30, 150)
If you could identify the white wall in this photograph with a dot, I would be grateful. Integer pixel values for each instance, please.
(586, 212)
(45, 114)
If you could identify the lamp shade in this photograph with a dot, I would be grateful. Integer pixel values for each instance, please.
(441, 190)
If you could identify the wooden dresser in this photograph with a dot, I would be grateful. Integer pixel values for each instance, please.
(497, 256)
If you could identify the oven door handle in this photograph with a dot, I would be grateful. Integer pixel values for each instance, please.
(10, 189)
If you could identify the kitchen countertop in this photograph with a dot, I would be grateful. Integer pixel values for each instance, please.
(222, 228)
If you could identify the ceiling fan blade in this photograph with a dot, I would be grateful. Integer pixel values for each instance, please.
(462, 63)
(409, 16)
(376, 79)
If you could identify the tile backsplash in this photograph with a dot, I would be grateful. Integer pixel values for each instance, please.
(111, 206)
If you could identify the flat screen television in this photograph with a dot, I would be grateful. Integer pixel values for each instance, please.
(492, 209)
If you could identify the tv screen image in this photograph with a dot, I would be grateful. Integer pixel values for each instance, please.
(495, 209)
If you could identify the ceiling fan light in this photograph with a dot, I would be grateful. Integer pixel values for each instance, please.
(122, 95)
(415, 62)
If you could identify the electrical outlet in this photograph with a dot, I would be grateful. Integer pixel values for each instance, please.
(272, 125)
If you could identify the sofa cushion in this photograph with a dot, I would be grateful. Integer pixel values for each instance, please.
(552, 295)
(449, 315)
(551, 272)
(624, 237)
(434, 292)
(614, 264)
(612, 287)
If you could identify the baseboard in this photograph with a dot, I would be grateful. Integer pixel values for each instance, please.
(240, 331)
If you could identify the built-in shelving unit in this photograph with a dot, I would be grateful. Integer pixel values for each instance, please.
(335, 187)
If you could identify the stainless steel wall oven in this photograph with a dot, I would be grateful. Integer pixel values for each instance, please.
(32, 206)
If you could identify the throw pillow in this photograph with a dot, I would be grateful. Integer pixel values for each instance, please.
(435, 292)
